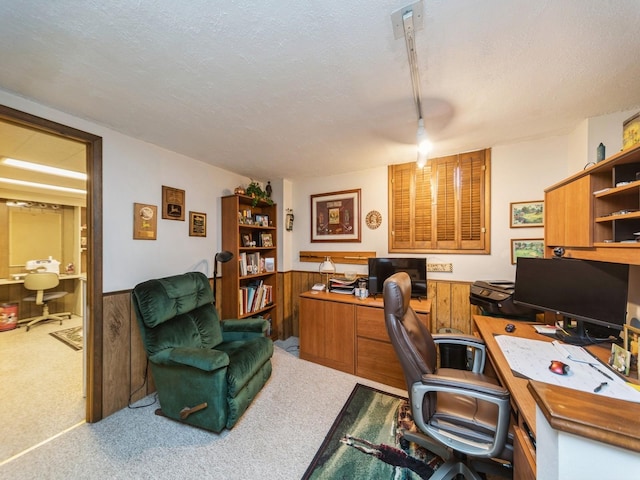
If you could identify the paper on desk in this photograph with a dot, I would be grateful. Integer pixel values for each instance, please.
(531, 358)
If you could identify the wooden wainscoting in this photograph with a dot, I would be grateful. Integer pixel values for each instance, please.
(124, 359)
(125, 362)
(450, 307)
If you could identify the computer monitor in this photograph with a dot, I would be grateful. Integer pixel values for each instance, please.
(592, 293)
(382, 268)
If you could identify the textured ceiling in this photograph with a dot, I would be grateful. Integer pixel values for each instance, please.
(290, 88)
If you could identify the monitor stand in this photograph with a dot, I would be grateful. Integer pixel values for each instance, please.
(577, 334)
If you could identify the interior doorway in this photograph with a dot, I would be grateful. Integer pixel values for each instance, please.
(93, 285)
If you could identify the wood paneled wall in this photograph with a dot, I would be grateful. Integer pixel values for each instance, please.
(125, 362)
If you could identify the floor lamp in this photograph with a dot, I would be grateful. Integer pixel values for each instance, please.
(222, 257)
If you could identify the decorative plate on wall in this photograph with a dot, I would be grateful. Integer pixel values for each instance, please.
(373, 219)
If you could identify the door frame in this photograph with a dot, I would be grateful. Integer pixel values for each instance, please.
(93, 145)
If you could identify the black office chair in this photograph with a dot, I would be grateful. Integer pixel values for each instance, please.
(461, 415)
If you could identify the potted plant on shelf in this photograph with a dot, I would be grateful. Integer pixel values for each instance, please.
(255, 191)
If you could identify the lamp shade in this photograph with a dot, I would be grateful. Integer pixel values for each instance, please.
(327, 266)
(222, 257)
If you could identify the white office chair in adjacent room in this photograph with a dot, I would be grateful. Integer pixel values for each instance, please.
(39, 282)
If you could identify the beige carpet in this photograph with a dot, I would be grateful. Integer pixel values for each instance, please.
(41, 386)
(276, 438)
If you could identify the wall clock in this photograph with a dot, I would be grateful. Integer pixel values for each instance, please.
(373, 219)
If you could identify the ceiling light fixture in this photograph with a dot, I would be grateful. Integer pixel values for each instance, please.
(36, 167)
(406, 17)
(42, 185)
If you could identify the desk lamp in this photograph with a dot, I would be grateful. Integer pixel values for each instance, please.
(327, 267)
(222, 257)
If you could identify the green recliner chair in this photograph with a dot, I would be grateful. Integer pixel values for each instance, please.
(206, 372)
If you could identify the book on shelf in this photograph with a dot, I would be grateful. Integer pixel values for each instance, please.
(254, 297)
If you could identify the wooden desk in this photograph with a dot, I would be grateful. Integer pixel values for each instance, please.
(610, 421)
(13, 291)
(348, 334)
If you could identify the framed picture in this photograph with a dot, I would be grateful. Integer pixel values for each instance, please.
(145, 221)
(258, 219)
(197, 224)
(335, 216)
(631, 343)
(264, 221)
(269, 264)
(267, 239)
(246, 240)
(527, 214)
(526, 247)
(172, 203)
(620, 359)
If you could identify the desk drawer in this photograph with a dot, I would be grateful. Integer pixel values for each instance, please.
(370, 323)
(377, 361)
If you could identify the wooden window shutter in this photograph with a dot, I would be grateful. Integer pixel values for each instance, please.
(401, 197)
(443, 207)
(471, 202)
(446, 171)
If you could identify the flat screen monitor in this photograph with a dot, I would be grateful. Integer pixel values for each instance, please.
(590, 292)
(382, 268)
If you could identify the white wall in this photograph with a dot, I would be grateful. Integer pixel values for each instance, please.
(519, 172)
(134, 172)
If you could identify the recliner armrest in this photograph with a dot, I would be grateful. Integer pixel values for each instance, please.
(243, 329)
(477, 344)
(203, 359)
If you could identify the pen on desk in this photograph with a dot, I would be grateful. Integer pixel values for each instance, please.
(596, 368)
(599, 387)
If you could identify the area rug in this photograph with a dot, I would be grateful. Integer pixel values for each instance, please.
(364, 442)
(70, 336)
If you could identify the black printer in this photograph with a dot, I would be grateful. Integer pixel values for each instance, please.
(495, 297)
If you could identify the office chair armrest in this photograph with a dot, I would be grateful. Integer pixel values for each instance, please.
(468, 381)
(203, 359)
(243, 329)
(465, 383)
(477, 344)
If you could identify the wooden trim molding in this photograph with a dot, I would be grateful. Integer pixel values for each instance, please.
(350, 257)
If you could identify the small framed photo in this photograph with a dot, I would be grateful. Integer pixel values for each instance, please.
(527, 214)
(172, 203)
(265, 221)
(197, 224)
(145, 221)
(257, 219)
(620, 359)
(267, 239)
(631, 342)
(526, 247)
(246, 240)
(269, 264)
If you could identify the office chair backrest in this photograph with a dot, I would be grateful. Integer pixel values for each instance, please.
(410, 338)
(177, 311)
(41, 281)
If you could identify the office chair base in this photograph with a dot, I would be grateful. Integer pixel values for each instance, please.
(33, 320)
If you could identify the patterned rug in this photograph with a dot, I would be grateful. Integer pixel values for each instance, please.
(70, 336)
(364, 442)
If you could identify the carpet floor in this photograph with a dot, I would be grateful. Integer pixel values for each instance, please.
(41, 389)
(276, 438)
